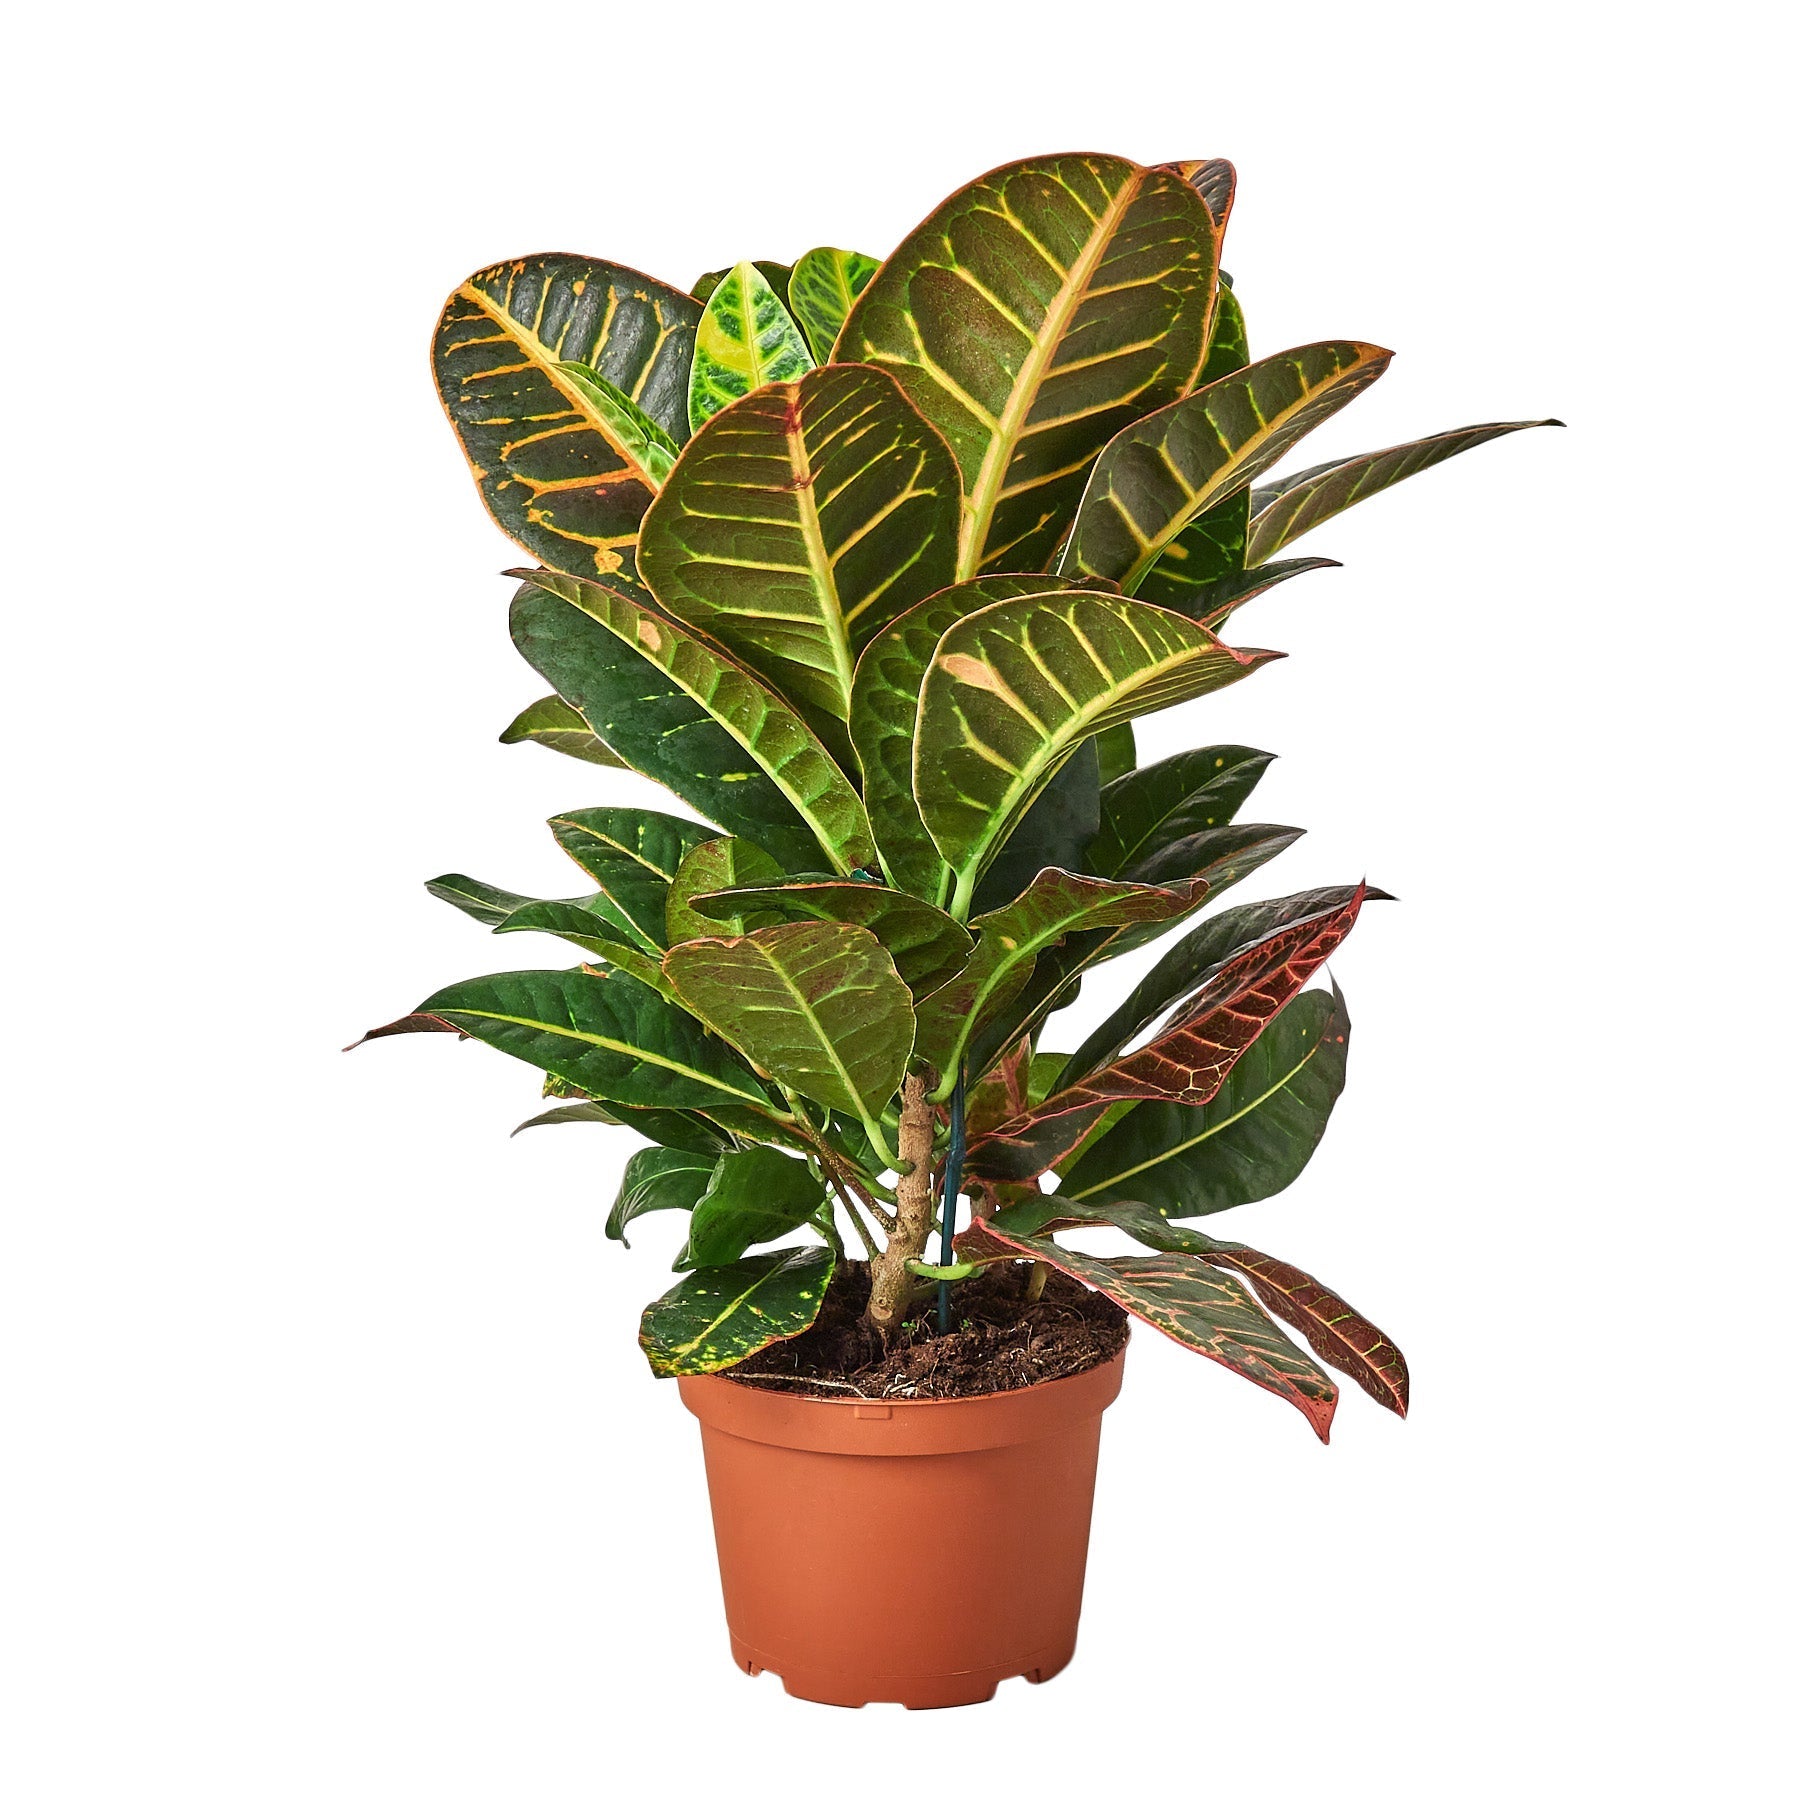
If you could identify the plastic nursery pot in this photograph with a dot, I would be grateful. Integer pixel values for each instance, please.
(830, 1518)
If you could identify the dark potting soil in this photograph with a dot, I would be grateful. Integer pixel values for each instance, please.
(995, 1343)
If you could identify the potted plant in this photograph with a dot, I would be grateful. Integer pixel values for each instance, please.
(873, 565)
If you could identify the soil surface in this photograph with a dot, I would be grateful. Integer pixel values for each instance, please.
(996, 1342)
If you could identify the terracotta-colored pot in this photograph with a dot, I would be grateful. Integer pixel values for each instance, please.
(831, 1518)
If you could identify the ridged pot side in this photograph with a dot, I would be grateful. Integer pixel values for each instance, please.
(810, 1499)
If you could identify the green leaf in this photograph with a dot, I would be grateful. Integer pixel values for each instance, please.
(824, 286)
(1117, 746)
(801, 522)
(1198, 1306)
(632, 856)
(820, 1008)
(1014, 689)
(884, 717)
(1222, 857)
(649, 446)
(1249, 1141)
(591, 922)
(776, 274)
(681, 711)
(1284, 509)
(719, 863)
(671, 1129)
(614, 1037)
(1053, 833)
(717, 1317)
(660, 1180)
(1215, 1023)
(557, 472)
(1034, 314)
(1213, 604)
(928, 946)
(1161, 473)
(1194, 790)
(746, 339)
(1044, 1214)
(1007, 945)
(1229, 349)
(754, 1196)
(556, 725)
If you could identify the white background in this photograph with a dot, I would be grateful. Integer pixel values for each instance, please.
(330, 1465)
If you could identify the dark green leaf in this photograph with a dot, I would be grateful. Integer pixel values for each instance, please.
(556, 725)
(1229, 350)
(717, 1317)
(1014, 689)
(754, 1196)
(673, 1130)
(746, 339)
(1055, 832)
(1223, 856)
(681, 711)
(1249, 1141)
(1194, 790)
(825, 284)
(1161, 473)
(1281, 511)
(615, 1037)
(1213, 604)
(556, 472)
(632, 856)
(802, 521)
(660, 1180)
(1117, 748)
(820, 1007)
(1031, 316)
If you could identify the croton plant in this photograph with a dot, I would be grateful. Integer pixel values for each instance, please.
(872, 564)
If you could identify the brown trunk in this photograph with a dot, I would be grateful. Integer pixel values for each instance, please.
(890, 1286)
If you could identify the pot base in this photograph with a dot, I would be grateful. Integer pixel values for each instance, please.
(917, 1693)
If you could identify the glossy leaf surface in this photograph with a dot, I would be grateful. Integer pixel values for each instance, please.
(1249, 1141)
(557, 474)
(884, 721)
(1160, 474)
(1283, 510)
(1031, 316)
(681, 711)
(753, 1196)
(614, 1037)
(722, 863)
(928, 946)
(660, 1180)
(671, 1129)
(746, 339)
(800, 522)
(717, 1317)
(1013, 689)
(820, 1007)
(555, 724)
(643, 440)
(825, 285)
(1191, 791)
(631, 855)
(1200, 1307)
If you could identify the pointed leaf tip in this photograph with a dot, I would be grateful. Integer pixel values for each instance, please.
(405, 1026)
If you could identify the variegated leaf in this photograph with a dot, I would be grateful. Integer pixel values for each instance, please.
(632, 856)
(803, 520)
(884, 718)
(555, 724)
(717, 1317)
(1194, 790)
(590, 922)
(720, 863)
(613, 1036)
(1249, 1141)
(1034, 314)
(746, 339)
(1198, 1306)
(825, 285)
(556, 471)
(1284, 509)
(928, 946)
(1166, 470)
(1012, 690)
(681, 711)
(818, 1007)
